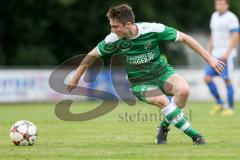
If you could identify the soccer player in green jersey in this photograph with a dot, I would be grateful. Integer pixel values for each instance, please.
(150, 76)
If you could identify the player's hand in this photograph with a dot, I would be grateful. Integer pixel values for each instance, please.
(73, 82)
(218, 65)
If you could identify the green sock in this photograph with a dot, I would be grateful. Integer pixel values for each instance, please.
(175, 116)
(191, 132)
(164, 123)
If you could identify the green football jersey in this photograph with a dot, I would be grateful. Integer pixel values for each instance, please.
(142, 52)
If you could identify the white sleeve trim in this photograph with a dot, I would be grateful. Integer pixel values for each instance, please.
(98, 51)
(111, 38)
(150, 27)
(177, 37)
(233, 21)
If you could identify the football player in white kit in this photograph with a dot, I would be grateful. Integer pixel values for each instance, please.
(223, 45)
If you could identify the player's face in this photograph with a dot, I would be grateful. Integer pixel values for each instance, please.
(118, 28)
(221, 6)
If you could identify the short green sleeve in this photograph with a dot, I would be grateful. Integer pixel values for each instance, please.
(106, 49)
(168, 34)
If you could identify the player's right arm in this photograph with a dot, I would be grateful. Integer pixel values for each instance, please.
(106, 47)
(91, 57)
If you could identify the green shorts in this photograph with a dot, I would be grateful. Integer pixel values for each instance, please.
(140, 89)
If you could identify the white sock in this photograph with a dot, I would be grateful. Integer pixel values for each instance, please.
(174, 103)
(168, 109)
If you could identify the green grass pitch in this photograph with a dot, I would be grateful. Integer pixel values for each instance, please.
(116, 135)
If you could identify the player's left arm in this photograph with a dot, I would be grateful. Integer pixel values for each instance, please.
(233, 44)
(193, 44)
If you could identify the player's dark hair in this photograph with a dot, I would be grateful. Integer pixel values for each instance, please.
(122, 13)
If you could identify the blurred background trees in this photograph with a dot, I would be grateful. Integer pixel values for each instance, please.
(47, 32)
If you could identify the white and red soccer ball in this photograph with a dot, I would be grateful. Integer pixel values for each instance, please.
(23, 133)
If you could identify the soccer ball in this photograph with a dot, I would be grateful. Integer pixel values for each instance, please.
(23, 133)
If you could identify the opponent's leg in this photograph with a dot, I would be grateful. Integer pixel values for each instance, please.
(230, 94)
(228, 110)
(209, 74)
(213, 89)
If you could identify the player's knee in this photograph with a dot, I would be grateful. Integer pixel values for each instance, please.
(183, 93)
(207, 79)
